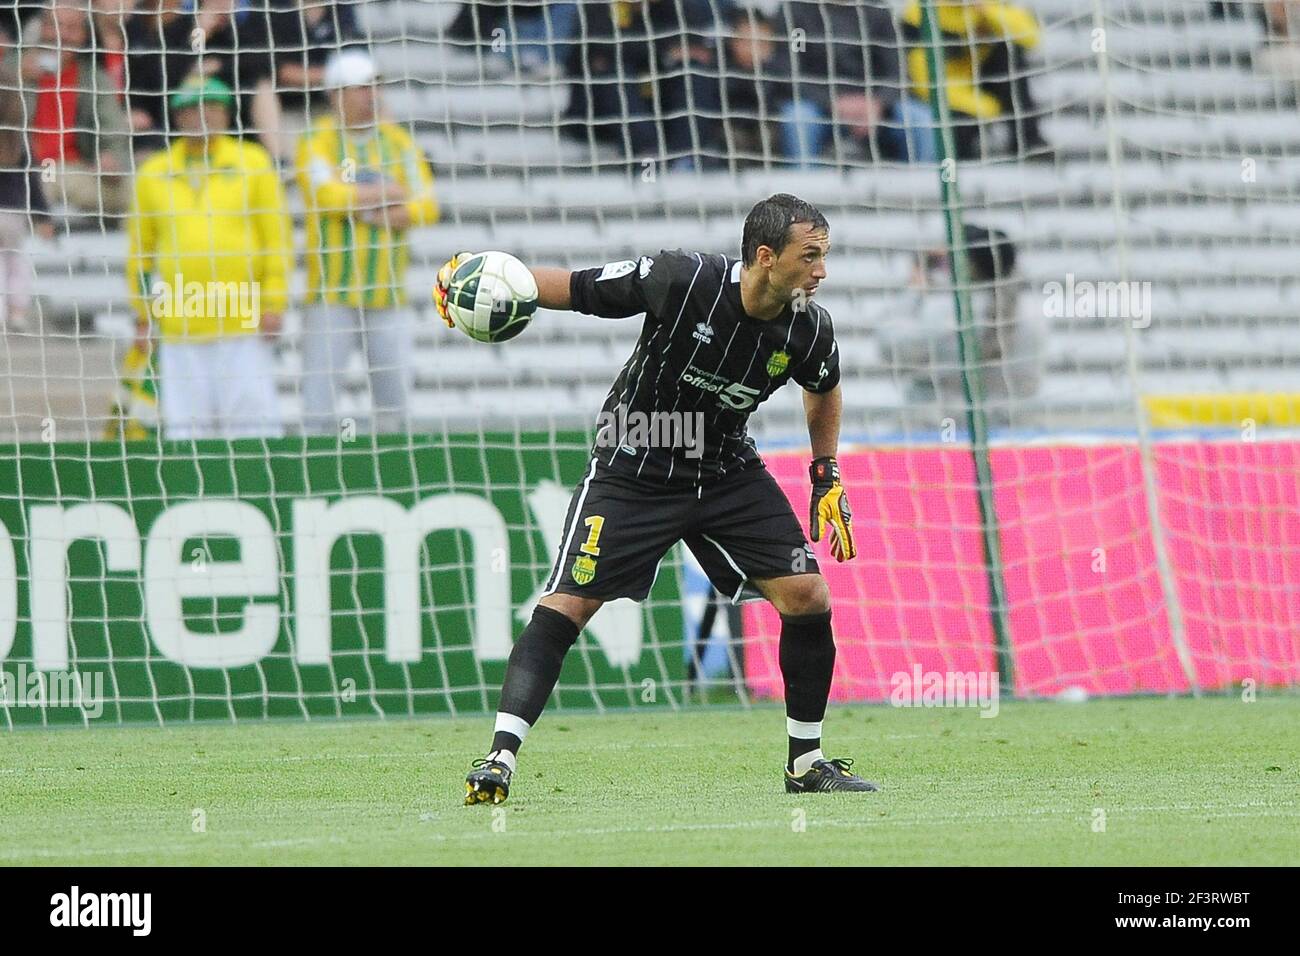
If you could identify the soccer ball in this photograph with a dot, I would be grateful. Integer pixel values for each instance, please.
(492, 296)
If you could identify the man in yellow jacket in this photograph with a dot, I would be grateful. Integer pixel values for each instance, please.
(365, 184)
(210, 253)
(984, 51)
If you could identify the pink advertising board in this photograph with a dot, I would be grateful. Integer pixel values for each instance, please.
(1086, 606)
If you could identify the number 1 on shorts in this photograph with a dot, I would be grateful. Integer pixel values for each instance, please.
(594, 523)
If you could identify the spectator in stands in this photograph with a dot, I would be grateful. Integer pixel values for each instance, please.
(648, 77)
(232, 44)
(159, 58)
(237, 51)
(542, 31)
(75, 121)
(923, 347)
(543, 36)
(109, 19)
(365, 184)
(1280, 54)
(756, 64)
(303, 38)
(209, 260)
(985, 48)
(603, 104)
(846, 76)
(22, 207)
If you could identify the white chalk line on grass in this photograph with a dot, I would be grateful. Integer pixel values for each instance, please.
(1254, 810)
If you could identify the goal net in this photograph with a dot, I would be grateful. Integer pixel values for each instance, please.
(1062, 279)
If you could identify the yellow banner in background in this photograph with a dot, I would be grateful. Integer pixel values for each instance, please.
(1226, 410)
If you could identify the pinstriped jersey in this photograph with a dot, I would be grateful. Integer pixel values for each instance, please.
(356, 259)
(700, 367)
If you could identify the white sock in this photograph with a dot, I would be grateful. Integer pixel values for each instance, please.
(506, 757)
(803, 763)
(512, 725)
(803, 729)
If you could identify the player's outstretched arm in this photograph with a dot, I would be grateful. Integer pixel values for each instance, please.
(615, 291)
(552, 287)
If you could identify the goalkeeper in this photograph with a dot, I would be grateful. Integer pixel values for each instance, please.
(719, 336)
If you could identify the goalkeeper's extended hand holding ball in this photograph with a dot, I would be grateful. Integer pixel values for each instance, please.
(441, 285)
(490, 296)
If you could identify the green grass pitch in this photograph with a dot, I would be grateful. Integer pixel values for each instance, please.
(1179, 781)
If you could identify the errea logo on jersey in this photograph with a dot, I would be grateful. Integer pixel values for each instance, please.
(703, 332)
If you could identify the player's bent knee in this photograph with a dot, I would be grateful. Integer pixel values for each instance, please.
(798, 594)
(813, 596)
(577, 609)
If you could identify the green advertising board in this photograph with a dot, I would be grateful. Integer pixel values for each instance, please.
(315, 577)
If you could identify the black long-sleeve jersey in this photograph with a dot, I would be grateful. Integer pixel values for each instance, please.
(699, 352)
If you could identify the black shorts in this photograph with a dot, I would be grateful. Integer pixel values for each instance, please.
(618, 530)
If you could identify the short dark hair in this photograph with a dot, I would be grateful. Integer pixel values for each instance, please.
(768, 224)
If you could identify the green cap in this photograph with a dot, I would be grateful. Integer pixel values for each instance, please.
(197, 89)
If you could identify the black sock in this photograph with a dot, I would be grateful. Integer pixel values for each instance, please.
(807, 656)
(533, 669)
(504, 740)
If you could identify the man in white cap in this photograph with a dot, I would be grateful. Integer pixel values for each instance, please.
(365, 183)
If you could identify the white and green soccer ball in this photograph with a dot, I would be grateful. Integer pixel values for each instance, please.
(492, 296)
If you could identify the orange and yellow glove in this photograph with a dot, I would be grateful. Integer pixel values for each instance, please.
(442, 286)
(830, 507)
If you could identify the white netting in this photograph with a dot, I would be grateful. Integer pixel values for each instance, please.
(1128, 181)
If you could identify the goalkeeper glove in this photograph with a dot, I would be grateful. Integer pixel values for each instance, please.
(442, 286)
(830, 506)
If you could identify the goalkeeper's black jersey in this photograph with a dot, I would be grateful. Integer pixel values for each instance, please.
(676, 414)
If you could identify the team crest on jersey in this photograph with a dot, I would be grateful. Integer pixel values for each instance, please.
(703, 332)
(646, 265)
(777, 363)
(584, 569)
